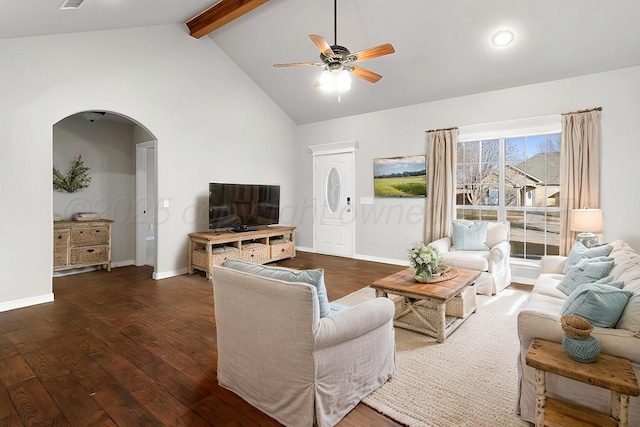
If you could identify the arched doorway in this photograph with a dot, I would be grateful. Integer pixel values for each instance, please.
(109, 145)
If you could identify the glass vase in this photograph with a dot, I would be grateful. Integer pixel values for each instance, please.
(422, 275)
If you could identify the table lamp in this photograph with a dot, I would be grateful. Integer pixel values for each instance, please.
(586, 222)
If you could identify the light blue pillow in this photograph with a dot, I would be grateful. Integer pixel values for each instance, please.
(312, 277)
(604, 281)
(587, 270)
(469, 237)
(601, 305)
(580, 251)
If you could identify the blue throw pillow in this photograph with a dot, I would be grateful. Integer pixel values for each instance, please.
(469, 237)
(587, 270)
(312, 277)
(601, 305)
(580, 251)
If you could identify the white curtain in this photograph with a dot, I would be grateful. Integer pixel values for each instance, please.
(579, 169)
(441, 183)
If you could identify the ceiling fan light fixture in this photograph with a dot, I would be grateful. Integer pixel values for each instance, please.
(335, 80)
(93, 116)
(502, 38)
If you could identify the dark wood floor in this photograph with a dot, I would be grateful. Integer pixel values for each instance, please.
(123, 349)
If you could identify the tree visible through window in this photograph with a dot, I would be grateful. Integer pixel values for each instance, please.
(517, 179)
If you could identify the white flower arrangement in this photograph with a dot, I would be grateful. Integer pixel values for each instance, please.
(425, 259)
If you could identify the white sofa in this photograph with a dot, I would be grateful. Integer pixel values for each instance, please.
(540, 318)
(275, 351)
(493, 263)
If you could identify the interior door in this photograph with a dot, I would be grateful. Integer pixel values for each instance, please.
(334, 207)
(146, 203)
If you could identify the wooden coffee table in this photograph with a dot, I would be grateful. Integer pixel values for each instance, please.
(426, 303)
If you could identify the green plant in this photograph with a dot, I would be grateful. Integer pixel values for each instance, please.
(76, 178)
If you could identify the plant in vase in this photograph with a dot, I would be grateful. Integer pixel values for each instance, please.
(426, 262)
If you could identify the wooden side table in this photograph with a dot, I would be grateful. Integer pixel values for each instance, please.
(610, 372)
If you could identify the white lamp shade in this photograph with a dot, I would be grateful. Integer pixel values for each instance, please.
(587, 220)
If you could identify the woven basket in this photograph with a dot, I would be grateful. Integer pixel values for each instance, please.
(575, 326)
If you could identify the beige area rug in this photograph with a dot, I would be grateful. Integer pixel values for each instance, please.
(469, 380)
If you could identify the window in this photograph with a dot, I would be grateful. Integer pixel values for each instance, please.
(514, 175)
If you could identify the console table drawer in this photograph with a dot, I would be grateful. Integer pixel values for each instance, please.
(89, 254)
(90, 236)
(255, 252)
(60, 248)
(282, 250)
(60, 238)
(199, 257)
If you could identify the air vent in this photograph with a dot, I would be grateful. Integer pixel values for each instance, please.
(70, 4)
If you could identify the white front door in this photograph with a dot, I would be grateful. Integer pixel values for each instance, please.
(334, 203)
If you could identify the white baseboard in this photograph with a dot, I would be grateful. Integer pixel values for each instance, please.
(167, 274)
(382, 260)
(362, 257)
(304, 249)
(26, 302)
(115, 264)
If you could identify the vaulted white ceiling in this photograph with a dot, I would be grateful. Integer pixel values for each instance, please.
(443, 47)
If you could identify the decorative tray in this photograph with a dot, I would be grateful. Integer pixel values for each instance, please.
(448, 273)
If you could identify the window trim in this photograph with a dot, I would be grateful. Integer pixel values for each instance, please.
(511, 128)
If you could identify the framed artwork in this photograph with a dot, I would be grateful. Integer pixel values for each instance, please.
(400, 176)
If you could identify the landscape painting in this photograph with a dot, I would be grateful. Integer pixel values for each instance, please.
(400, 176)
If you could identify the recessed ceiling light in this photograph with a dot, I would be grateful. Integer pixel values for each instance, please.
(502, 38)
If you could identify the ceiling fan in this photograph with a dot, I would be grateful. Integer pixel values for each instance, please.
(338, 61)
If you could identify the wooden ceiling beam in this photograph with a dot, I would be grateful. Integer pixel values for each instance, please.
(220, 14)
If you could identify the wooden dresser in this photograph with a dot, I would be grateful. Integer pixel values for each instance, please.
(81, 244)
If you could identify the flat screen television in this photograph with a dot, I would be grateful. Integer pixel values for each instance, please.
(243, 207)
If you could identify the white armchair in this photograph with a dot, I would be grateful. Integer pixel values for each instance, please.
(275, 352)
(493, 263)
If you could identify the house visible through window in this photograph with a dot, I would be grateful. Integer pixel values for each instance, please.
(516, 178)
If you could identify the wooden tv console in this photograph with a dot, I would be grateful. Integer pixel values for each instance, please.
(209, 248)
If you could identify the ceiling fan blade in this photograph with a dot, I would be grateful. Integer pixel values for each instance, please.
(365, 74)
(321, 44)
(299, 64)
(374, 52)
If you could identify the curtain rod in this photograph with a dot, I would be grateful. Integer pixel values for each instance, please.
(583, 111)
(437, 130)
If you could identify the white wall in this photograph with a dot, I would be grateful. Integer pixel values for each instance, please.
(211, 122)
(401, 131)
(107, 148)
